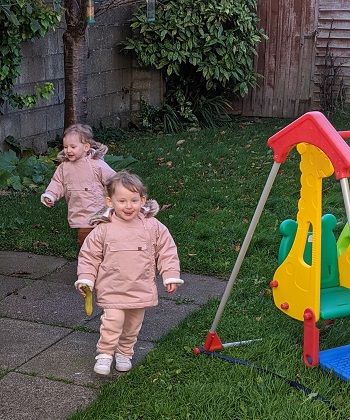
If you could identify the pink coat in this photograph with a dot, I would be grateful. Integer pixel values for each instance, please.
(121, 259)
(81, 183)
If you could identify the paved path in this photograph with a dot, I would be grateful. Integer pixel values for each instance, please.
(47, 343)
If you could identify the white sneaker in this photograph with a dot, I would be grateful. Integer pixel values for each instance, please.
(122, 363)
(103, 364)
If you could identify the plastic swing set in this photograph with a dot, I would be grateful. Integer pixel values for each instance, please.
(312, 281)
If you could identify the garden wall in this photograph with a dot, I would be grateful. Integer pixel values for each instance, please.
(115, 83)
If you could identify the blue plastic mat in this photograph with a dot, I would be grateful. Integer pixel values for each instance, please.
(336, 361)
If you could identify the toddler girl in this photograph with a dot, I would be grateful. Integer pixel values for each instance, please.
(118, 260)
(80, 178)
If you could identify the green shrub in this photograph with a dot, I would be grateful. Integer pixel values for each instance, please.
(204, 49)
(21, 168)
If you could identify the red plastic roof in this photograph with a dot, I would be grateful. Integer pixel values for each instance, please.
(314, 128)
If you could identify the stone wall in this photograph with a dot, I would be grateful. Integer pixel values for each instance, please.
(115, 83)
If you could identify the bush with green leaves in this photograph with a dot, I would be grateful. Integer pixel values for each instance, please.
(20, 169)
(22, 20)
(204, 48)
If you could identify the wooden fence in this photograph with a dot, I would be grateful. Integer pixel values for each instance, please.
(308, 41)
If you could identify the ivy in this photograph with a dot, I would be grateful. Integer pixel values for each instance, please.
(22, 20)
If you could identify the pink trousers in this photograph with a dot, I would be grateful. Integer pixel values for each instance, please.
(119, 331)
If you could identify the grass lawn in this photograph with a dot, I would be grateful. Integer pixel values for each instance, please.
(208, 184)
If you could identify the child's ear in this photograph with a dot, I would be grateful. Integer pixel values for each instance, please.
(143, 200)
(108, 201)
(86, 147)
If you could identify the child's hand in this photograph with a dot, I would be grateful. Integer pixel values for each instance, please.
(81, 284)
(85, 291)
(172, 287)
(48, 202)
(81, 290)
(172, 284)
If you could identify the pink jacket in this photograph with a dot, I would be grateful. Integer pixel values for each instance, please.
(81, 183)
(121, 258)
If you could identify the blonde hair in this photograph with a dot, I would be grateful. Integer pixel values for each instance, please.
(129, 181)
(84, 131)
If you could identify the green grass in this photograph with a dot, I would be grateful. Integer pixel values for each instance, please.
(209, 183)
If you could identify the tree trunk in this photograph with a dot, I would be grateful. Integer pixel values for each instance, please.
(75, 63)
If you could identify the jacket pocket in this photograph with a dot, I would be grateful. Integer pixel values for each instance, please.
(127, 246)
(81, 198)
(131, 259)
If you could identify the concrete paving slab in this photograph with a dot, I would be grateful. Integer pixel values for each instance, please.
(25, 264)
(22, 340)
(71, 359)
(26, 397)
(67, 274)
(160, 319)
(141, 349)
(196, 289)
(47, 302)
(11, 285)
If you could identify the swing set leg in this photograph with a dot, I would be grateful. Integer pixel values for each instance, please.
(212, 342)
(311, 339)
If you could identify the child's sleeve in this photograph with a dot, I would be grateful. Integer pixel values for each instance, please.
(91, 255)
(168, 263)
(106, 172)
(55, 189)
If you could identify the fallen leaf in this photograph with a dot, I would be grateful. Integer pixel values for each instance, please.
(40, 243)
(192, 255)
(166, 206)
(180, 142)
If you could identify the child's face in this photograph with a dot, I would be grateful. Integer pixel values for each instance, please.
(73, 148)
(127, 204)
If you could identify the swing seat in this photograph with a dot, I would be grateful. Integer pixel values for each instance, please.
(335, 303)
(334, 298)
